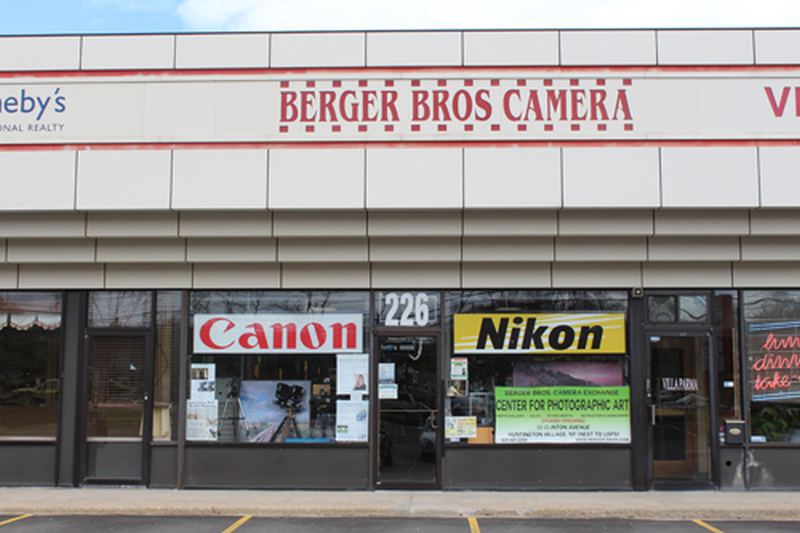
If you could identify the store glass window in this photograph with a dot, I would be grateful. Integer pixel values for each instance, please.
(30, 343)
(772, 342)
(120, 309)
(279, 367)
(537, 367)
(165, 367)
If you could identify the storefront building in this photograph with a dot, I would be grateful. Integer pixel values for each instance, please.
(440, 260)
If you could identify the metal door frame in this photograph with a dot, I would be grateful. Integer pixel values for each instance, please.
(685, 331)
(147, 404)
(378, 333)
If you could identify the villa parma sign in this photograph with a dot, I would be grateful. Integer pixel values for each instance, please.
(416, 106)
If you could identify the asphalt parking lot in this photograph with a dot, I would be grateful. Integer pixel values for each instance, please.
(247, 524)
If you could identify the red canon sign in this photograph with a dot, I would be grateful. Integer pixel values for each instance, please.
(277, 333)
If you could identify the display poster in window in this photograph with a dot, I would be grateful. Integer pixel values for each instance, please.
(386, 373)
(204, 381)
(275, 411)
(775, 361)
(351, 421)
(201, 420)
(562, 415)
(352, 374)
(387, 391)
(460, 427)
(553, 333)
(459, 368)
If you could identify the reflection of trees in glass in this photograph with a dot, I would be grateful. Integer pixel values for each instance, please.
(120, 309)
(499, 301)
(256, 302)
(777, 422)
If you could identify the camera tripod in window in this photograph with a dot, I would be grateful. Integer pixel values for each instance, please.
(236, 413)
(290, 398)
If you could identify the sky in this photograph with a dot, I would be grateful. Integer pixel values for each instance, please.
(141, 16)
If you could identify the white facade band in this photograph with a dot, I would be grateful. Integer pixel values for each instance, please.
(411, 106)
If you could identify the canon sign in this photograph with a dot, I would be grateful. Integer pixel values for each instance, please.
(277, 333)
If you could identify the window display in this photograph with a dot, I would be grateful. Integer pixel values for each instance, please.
(30, 337)
(772, 340)
(538, 367)
(279, 367)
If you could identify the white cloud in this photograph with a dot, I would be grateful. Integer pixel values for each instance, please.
(448, 14)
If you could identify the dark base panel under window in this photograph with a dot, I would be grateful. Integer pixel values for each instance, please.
(163, 467)
(28, 464)
(539, 469)
(731, 475)
(775, 468)
(277, 468)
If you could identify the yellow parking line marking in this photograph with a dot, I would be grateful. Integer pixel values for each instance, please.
(15, 519)
(473, 525)
(707, 526)
(236, 525)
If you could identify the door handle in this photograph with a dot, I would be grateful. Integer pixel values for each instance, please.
(434, 423)
(652, 414)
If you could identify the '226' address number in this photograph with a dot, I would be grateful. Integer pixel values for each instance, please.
(406, 309)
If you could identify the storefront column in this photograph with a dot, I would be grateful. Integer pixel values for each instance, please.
(640, 420)
(72, 357)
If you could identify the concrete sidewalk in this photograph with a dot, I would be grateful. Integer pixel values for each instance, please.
(641, 505)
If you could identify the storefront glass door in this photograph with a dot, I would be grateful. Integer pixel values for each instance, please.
(679, 410)
(117, 408)
(408, 416)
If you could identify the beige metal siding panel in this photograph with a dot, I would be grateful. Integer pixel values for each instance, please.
(686, 275)
(780, 176)
(416, 275)
(414, 223)
(719, 177)
(608, 223)
(499, 48)
(149, 276)
(586, 274)
(226, 224)
(37, 181)
(414, 178)
(320, 223)
(771, 249)
(608, 47)
(335, 250)
(766, 274)
(40, 53)
(506, 275)
(503, 178)
(233, 50)
(49, 276)
(316, 179)
(123, 179)
(9, 276)
(712, 47)
(128, 52)
(601, 249)
(204, 180)
(611, 177)
(413, 49)
(701, 222)
(132, 224)
(510, 223)
(693, 249)
(40, 225)
(141, 250)
(325, 276)
(511, 249)
(777, 47)
(236, 276)
(777, 222)
(398, 249)
(230, 250)
(51, 250)
(317, 50)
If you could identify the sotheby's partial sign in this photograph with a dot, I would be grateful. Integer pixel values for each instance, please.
(374, 105)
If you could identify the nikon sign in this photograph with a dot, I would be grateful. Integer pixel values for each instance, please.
(560, 333)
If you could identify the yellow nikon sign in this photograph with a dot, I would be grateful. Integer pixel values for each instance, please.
(557, 333)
